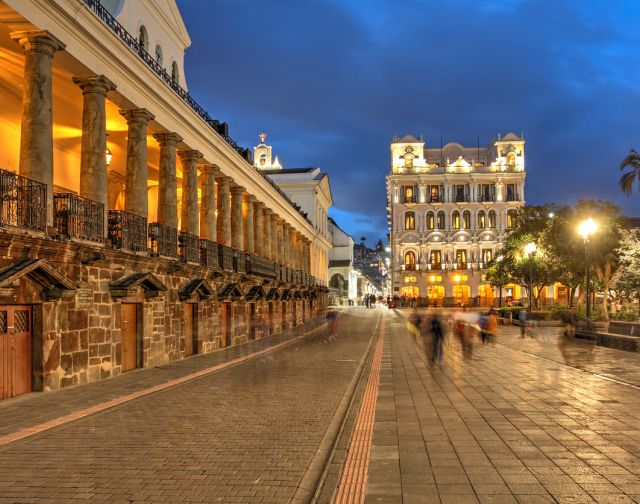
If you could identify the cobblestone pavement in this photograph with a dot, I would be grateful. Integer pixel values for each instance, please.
(243, 434)
(504, 426)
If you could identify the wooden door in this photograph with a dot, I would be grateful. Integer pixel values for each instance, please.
(129, 326)
(15, 351)
(226, 323)
(190, 329)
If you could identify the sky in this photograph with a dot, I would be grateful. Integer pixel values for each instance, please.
(332, 81)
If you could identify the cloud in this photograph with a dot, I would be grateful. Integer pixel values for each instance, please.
(332, 81)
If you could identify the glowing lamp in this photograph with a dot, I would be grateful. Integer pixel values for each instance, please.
(457, 278)
(530, 248)
(587, 228)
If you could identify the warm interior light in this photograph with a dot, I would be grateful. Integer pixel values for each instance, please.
(432, 278)
(108, 156)
(457, 278)
(587, 228)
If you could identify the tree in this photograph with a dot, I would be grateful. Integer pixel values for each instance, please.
(628, 281)
(628, 179)
(498, 275)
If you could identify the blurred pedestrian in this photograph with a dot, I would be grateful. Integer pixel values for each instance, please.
(492, 325)
(522, 321)
(332, 317)
(437, 336)
(413, 324)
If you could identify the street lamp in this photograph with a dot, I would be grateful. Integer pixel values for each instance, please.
(586, 229)
(499, 259)
(530, 250)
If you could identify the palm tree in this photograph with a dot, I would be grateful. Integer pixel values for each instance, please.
(627, 180)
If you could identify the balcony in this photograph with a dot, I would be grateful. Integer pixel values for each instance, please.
(484, 198)
(225, 258)
(189, 248)
(257, 265)
(513, 197)
(410, 199)
(239, 261)
(164, 240)
(23, 202)
(209, 254)
(435, 266)
(78, 218)
(127, 231)
(462, 198)
(435, 199)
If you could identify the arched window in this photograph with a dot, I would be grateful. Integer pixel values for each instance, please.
(409, 220)
(408, 160)
(455, 220)
(511, 218)
(492, 218)
(511, 159)
(481, 219)
(441, 220)
(158, 54)
(466, 219)
(430, 220)
(143, 38)
(175, 72)
(409, 261)
(338, 282)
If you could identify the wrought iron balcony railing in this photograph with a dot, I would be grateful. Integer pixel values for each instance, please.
(189, 247)
(239, 261)
(23, 202)
(225, 257)
(163, 240)
(78, 218)
(261, 266)
(127, 231)
(208, 254)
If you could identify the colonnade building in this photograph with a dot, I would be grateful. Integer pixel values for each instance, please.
(133, 230)
(449, 209)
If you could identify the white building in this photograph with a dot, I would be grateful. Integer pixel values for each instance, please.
(343, 278)
(309, 188)
(449, 209)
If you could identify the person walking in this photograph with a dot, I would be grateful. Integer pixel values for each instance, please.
(437, 336)
(522, 321)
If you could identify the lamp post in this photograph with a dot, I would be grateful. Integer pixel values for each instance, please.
(499, 259)
(586, 229)
(530, 250)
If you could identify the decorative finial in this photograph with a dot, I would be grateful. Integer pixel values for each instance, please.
(262, 136)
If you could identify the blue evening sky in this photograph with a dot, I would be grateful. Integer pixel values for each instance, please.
(331, 81)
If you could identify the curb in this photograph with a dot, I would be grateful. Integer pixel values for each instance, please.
(310, 485)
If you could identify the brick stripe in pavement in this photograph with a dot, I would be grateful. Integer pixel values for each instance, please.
(351, 489)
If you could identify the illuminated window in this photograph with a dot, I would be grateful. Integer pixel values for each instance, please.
(466, 219)
(487, 254)
(511, 218)
(408, 157)
(492, 218)
(430, 220)
(481, 219)
(410, 261)
(408, 194)
(409, 279)
(434, 194)
(455, 220)
(461, 259)
(511, 159)
(143, 38)
(441, 220)
(409, 220)
(435, 259)
(263, 159)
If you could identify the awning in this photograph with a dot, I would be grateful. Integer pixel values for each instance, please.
(286, 294)
(147, 282)
(198, 287)
(53, 282)
(229, 291)
(273, 294)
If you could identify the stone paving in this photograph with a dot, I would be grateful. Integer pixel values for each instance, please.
(502, 427)
(244, 434)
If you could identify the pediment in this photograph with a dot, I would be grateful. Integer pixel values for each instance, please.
(273, 294)
(147, 282)
(229, 291)
(197, 288)
(53, 282)
(286, 294)
(255, 292)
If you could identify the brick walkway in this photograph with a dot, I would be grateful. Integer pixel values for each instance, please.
(503, 427)
(243, 434)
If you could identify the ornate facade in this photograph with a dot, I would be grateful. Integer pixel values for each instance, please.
(449, 209)
(133, 229)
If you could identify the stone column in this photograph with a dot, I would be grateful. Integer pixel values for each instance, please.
(224, 210)
(189, 213)
(249, 242)
(237, 228)
(258, 222)
(267, 233)
(36, 126)
(208, 203)
(135, 191)
(286, 258)
(280, 241)
(168, 184)
(274, 238)
(93, 163)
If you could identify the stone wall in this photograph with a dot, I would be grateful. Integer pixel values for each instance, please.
(77, 339)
